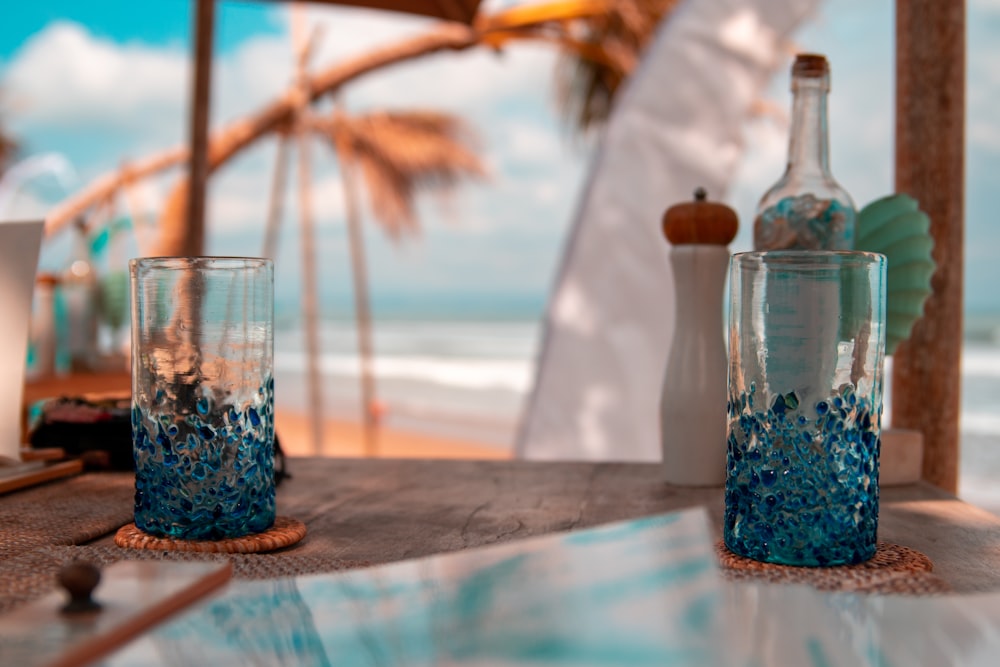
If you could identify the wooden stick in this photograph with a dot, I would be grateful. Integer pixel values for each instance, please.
(362, 309)
(277, 204)
(930, 140)
(106, 186)
(194, 240)
(309, 296)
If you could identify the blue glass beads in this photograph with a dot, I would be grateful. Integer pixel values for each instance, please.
(805, 222)
(802, 486)
(208, 474)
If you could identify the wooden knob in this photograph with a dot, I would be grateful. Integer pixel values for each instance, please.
(80, 579)
(700, 222)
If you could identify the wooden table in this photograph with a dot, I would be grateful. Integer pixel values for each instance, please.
(372, 511)
(378, 510)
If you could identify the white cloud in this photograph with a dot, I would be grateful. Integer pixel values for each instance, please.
(472, 80)
(246, 79)
(240, 196)
(984, 6)
(66, 77)
(983, 89)
(984, 134)
(67, 80)
(546, 193)
(530, 143)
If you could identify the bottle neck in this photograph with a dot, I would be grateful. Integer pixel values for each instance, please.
(808, 146)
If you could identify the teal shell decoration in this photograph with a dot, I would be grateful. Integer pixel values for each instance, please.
(896, 227)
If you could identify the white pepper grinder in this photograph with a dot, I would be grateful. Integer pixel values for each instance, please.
(693, 399)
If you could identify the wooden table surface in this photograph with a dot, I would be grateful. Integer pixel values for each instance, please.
(379, 510)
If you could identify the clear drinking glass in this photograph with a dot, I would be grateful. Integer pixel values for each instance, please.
(203, 396)
(806, 351)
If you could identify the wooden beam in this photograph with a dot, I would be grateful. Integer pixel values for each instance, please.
(194, 239)
(930, 159)
(309, 297)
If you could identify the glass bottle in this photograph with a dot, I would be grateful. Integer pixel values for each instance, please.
(806, 209)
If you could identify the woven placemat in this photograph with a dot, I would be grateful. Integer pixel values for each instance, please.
(286, 531)
(53, 513)
(893, 569)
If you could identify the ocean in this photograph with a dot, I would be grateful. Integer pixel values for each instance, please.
(469, 378)
(457, 378)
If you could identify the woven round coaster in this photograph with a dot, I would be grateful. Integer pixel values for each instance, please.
(893, 569)
(285, 532)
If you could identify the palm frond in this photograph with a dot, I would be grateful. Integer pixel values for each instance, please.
(586, 86)
(400, 153)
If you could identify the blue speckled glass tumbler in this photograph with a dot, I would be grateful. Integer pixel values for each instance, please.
(203, 396)
(806, 352)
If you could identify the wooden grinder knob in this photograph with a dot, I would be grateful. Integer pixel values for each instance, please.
(80, 579)
(700, 222)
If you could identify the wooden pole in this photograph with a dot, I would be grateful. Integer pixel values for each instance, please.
(362, 309)
(193, 243)
(310, 305)
(274, 211)
(309, 297)
(930, 143)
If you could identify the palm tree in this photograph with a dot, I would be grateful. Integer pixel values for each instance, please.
(574, 26)
(397, 154)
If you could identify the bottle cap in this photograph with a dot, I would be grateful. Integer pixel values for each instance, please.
(700, 222)
(812, 65)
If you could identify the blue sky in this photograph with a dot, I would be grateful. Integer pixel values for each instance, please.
(159, 23)
(103, 81)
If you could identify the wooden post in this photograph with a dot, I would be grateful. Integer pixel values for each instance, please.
(193, 243)
(930, 152)
(362, 300)
(309, 298)
(275, 209)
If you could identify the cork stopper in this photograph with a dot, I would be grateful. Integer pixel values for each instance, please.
(700, 222)
(810, 65)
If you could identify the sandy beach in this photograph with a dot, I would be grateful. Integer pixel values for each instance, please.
(345, 438)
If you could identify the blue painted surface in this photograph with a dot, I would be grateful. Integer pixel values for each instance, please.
(644, 592)
(636, 593)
